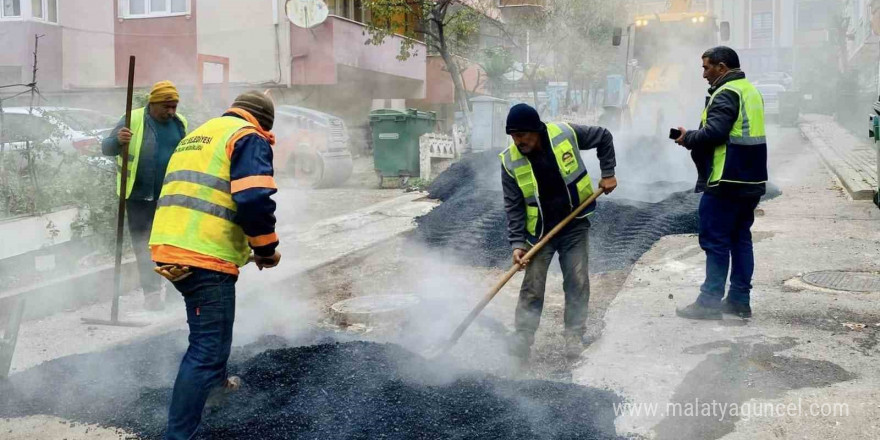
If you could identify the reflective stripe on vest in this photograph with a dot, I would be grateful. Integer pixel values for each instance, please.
(134, 149)
(743, 159)
(195, 210)
(571, 166)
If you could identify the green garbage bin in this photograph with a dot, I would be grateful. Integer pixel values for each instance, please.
(396, 141)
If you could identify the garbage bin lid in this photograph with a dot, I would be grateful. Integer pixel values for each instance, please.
(390, 113)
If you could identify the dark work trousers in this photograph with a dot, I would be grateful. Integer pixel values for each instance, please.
(140, 221)
(726, 236)
(210, 313)
(572, 244)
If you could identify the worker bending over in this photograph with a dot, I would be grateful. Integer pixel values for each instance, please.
(215, 208)
(544, 180)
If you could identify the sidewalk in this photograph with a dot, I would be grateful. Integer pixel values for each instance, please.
(64, 334)
(852, 160)
(682, 378)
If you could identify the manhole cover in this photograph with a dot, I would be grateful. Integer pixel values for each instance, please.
(847, 281)
(372, 308)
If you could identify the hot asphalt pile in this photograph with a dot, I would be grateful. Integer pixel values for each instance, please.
(354, 390)
(471, 222)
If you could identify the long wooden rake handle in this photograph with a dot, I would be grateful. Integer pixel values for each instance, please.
(456, 335)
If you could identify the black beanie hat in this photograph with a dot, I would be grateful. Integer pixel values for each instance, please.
(524, 118)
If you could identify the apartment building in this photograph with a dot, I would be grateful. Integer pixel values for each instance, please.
(84, 47)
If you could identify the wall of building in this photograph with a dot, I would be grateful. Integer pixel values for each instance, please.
(17, 38)
(316, 53)
(165, 47)
(88, 43)
(311, 54)
(246, 33)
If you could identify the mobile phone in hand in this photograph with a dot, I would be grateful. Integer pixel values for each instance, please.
(674, 133)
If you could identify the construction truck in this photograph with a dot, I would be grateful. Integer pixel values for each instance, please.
(662, 86)
(312, 147)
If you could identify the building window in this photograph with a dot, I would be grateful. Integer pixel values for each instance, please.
(45, 10)
(153, 8)
(813, 15)
(11, 8)
(762, 29)
(350, 9)
(40, 10)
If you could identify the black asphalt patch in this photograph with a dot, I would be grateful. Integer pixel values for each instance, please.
(353, 390)
(472, 225)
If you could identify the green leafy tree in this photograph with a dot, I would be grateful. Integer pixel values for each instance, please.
(496, 62)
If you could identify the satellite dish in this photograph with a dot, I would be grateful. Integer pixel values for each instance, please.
(306, 13)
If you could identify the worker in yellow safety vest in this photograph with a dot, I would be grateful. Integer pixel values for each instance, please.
(544, 179)
(730, 151)
(214, 210)
(155, 131)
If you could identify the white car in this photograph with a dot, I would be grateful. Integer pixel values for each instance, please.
(71, 129)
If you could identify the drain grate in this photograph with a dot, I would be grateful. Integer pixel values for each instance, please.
(842, 280)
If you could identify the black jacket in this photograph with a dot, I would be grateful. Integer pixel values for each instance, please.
(720, 118)
(554, 197)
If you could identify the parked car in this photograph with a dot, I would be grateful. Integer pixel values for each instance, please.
(771, 93)
(779, 78)
(312, 146)
(71, 129)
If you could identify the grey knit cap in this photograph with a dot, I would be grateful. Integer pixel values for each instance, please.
(259, 105)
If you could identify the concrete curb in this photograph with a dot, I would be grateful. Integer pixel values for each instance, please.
(851, 161)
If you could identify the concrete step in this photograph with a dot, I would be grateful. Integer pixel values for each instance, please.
(852, 160)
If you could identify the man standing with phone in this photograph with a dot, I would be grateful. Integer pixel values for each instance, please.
(730, 152)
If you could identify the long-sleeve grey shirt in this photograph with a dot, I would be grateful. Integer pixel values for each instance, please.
(554, 196)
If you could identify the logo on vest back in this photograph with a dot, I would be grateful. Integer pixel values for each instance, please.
(193, 143)
(567, 157)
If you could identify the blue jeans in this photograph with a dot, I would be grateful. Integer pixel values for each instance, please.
(726, 236)
(210, 312)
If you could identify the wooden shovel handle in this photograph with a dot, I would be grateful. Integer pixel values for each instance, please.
(513, 270)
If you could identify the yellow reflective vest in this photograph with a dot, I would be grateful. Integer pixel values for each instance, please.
(571, 166)
(743, 159)
(134, 150)
(195, 209)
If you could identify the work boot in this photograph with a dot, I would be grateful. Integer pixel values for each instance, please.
(574, 346)
(519, 350)
(218, 395)
(153, 302)
(697, 311)
(731, 308)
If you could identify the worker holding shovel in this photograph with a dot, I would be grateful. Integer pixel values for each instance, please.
(544, 180)
(214, 210)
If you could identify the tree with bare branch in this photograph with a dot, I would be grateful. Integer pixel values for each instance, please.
(447, 27)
